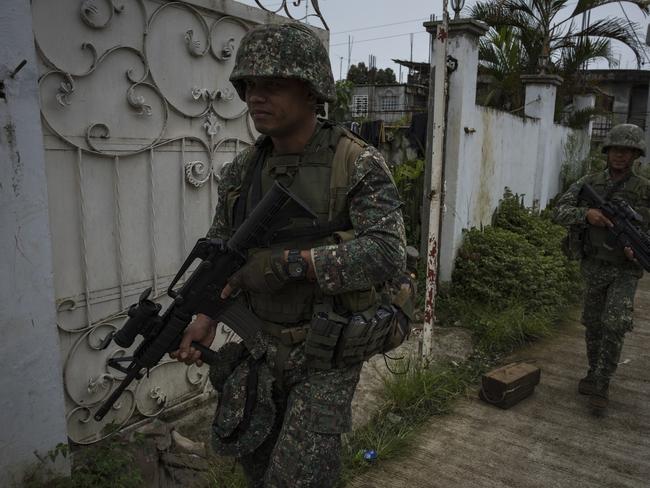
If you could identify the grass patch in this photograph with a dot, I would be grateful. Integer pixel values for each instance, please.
(225, 473)
(409, 399)
(107, 464)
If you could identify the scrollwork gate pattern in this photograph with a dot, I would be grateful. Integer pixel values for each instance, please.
(139, 117)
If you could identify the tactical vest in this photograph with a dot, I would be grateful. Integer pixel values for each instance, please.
(633, 190)
(320, 177)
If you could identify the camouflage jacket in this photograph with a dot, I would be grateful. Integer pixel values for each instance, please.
(571, 211)
(376, 254)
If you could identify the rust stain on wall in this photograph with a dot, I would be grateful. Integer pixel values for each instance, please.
(17, 173)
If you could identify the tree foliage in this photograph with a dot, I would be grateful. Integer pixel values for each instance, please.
(359, 74)
(546, 36)
(341, 107)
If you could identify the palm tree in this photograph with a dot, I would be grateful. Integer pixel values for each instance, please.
(542, 37)
(502, 62)
(546, 36)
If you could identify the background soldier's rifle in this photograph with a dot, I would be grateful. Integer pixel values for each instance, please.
(625, 231)
(201, 294)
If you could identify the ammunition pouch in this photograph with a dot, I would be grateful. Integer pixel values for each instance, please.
(334, 341)
(323, 337)
(573, 244)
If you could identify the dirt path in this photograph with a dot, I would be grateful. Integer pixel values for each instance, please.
(550, 439)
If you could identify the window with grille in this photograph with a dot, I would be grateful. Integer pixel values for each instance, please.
(360, 106)
(389, 103)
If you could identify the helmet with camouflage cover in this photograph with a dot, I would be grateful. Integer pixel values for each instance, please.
(625, 135)
(246, 413)
(289, 50)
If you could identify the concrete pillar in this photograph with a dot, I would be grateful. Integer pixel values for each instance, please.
(31, 386)
(646, 158)
(540, 104)
(583, 102)
(462, 51)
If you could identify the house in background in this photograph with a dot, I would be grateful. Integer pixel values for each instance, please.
(394, 102)
(623, 97)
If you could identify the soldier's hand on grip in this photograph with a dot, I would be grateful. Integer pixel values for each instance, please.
(202, 330)
(597, 218)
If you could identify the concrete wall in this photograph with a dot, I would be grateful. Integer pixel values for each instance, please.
(500, 153)
(487, 150)
(31, 390)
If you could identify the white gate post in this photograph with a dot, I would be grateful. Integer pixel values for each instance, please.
(31, 390)
(540, 104)
(585, 101)
(462, 50)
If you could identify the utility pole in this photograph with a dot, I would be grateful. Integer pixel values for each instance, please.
(340, 67)
(439, 105)
(350, 40)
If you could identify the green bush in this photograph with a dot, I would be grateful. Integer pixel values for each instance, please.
(409, 178)
(511, 281)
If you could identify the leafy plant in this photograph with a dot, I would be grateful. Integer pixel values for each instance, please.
(340, 109)
(511, 281)
(409, 178)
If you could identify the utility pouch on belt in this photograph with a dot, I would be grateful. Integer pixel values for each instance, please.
(573, 244)
(363, 338)
(323, 335)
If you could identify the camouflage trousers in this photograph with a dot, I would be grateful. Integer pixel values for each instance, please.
(313, 410)
(607, 313)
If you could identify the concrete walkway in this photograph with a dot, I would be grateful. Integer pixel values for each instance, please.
(548, 440)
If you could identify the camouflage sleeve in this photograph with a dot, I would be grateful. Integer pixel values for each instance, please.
(378, 250)
(643, 207)
(230, 178)
(567, 210)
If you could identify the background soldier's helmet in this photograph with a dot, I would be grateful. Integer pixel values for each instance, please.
(290, 50)
(625, 135)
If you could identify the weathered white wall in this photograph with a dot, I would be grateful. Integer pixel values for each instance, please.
(487, 150)
(499, 151)
(31, 390)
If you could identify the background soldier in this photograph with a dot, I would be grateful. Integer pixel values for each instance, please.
(610, 274)
(283, 73)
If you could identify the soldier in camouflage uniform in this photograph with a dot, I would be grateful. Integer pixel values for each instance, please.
(610, 274)
(283, 73)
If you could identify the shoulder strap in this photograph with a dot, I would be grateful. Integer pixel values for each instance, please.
(253, 170)
(348, 149)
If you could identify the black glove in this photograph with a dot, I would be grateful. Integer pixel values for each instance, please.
(264, 272)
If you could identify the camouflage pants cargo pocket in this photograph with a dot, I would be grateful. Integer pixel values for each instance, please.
(307, 451)
(609, 297)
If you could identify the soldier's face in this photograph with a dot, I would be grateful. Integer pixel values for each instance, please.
(621, 158)
(278, 106)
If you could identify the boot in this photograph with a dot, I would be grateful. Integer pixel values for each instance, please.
(587, 385)
(599, 399)
(593, 341)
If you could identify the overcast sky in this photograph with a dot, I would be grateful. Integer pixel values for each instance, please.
(383, 28)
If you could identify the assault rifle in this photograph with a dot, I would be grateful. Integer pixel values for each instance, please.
(625, 230)
(201, 294)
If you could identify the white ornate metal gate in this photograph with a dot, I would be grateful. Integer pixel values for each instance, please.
(139, 118)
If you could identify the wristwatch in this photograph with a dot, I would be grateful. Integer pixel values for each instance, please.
(296, 265)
